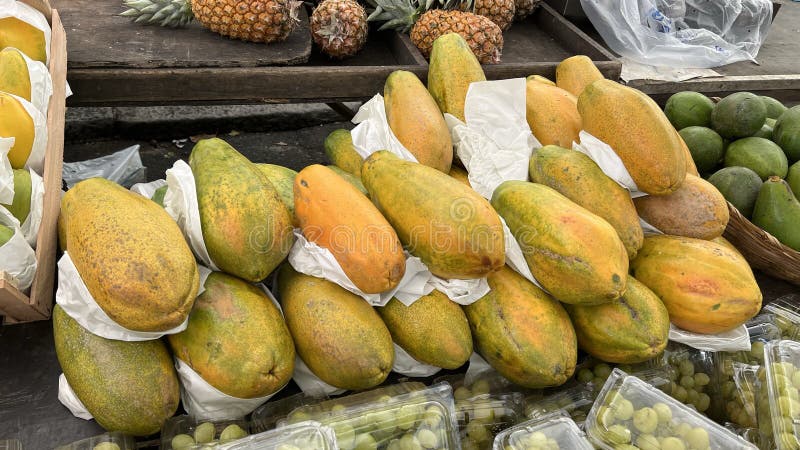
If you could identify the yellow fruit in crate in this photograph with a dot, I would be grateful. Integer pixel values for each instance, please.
(17, 123)
(14, 76)
(24, 36)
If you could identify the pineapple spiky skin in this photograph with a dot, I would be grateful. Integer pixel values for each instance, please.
(250, 20)
(167, 13)
(483, 36)
(501, 12)
(339, 27)
(524, 8)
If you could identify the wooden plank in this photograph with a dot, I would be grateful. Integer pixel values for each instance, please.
(406, 52)
(578, 42)
(100, 37)
(609, 69)
(15, 305)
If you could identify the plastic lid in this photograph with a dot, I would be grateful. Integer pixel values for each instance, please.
(481, 417)
(556, 432)
(299, 436)
(106, 441)
(187, 433)
(631, 412)
(782, 361)
(267, 416)
(575, 401)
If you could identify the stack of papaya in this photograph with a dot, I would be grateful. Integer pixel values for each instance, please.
(748, 147)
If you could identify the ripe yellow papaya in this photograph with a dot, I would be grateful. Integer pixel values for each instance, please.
(236, 339)
(337, 334)
(578, 178)
(575, 73)
(350, 178)
(552, 114)
(632, 329)
(577, 256)
(726, 243)
(706, 287)
(14, 76)
(336, 216)
(433, 330)
(452, 229)
(416, 120)
(282, 179)
(540, 79)
(340, 150)
(16, 122)
(522, 332)
(696, 209)
(461, 175)
(453, 66)
(246, 228)
(30, 40)
(638, 131)
(131, 255)
(129, 387)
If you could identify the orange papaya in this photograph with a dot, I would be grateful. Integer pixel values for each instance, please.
(552, 114)
(453, 66)
(575, 73)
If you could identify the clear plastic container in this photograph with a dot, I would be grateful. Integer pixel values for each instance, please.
(630, 412)
(486, 382)
(690, 372)
(751, 435)
(105, 441)
(11, 444)
(554, 433)
(187, 433)
(481, 417)
(575, 401)
(782, 363)
(419, 419)
(267, 416)
(592, 370)
(786, 312)
(300, 436)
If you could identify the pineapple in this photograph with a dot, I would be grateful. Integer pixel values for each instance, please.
(250, 20)
(339, 27)
(524, 8)
(500, 12)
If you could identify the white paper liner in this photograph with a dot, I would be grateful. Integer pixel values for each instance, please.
(68, 398)
(76, 300)
(29, 15)
(463, 292)
(373, 132)
(309, 383)
(36, 158)
(737, 339)
(148, 189)
(608, 161)
(405, 364)
(6, 171)
(41, 84)
(180, 202)
(29, 228)
(17, 258)
(477, 366)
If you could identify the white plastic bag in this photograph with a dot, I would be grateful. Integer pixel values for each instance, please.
(405, 364)
(477, 366)
(6, 172)
(39, 146)
(148, 189)
(76, 300)
(41, 84)
(123, 167)
(373, 132)
(735, 340)
(70, 400)
(310, 384)
(29, 15)
(17, 258)
(682, 33)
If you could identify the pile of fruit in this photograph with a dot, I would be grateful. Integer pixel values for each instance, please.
(748, 147)
(25, 89)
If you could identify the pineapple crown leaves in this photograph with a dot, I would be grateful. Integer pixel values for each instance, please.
(396, 14)
(167, 13)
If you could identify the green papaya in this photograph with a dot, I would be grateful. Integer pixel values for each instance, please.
(129, 387)
(777, 212)
(6, 234)
(158, 195)
(20, 206)
(339, 336)
(131, 255)
(576, 255)
(282, 179)
(522, 332)
(246, 228)
(793, 178)
(433, 330)
(355, 181)
(340, 150)
(453, 67)
(786, 133)
(236, 339)
(449, 226)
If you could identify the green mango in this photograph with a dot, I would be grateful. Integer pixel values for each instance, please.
(6, 234)
(20, 207)
(777, 212)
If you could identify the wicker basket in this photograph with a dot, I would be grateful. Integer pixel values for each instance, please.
(763, 251)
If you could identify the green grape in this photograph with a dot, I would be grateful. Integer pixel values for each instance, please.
(462, 393)
(345, 435)
(617, 434)
(625, 447)
(597, 381)
(645, 420)
(701, 379)
(585, 375)
(339, 407)
(366, 442)
(467, 444)
(686, 368)
(687, 381)
(552, 445)
(789, 407)
(106, 446)
(204, 433)
(297, 416)
(182, 441)
(481, 387)
(409, 442)
(703, 402)
(623, 408)
(602, 370)
(231, 433)
(682, 429)
(605, 417)
(672, 443)
(484, 412)
(536, 439)
(664, 412)
(288, 447)
(433, 417)
(648, 442)
(478, 432)
(796, 379)
(697, 438)
(680, 394)
(405, 417)
(757, 350)
(789, 441)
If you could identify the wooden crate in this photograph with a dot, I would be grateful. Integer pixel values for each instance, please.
(15, 306)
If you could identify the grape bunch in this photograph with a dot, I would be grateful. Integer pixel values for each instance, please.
(575, 401)
(205, 436)
(481, 418)
(689, 378)
(739, 394)
(536, 440)
(781, 418)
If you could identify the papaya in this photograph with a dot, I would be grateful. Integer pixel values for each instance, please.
(460, 174)
(696, 209)
(691, 167)
(433, 330)
(16, 122)
(131, 255)
(449, 226)
(453, 66)
(14, 76)
(552, 114)
(738, 115)
(725, 243)
(27, 38)
(336, 216)
(236, 339)
(341, 153)
(540, 79)
(786, 133)
(246, 228)
(638, 131)
(416, 121)
(575, 73)
(20, 206)
(6, 234)
(774, 107)
(353, 180)
(707, 287)
(577, 177)
(688, 109)
(159, 194)
(576, 255)
(629, 330)
(777, 211)
(522, 332)
(339, 336)
(282, 179)
(739, 186)
(129, 387)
